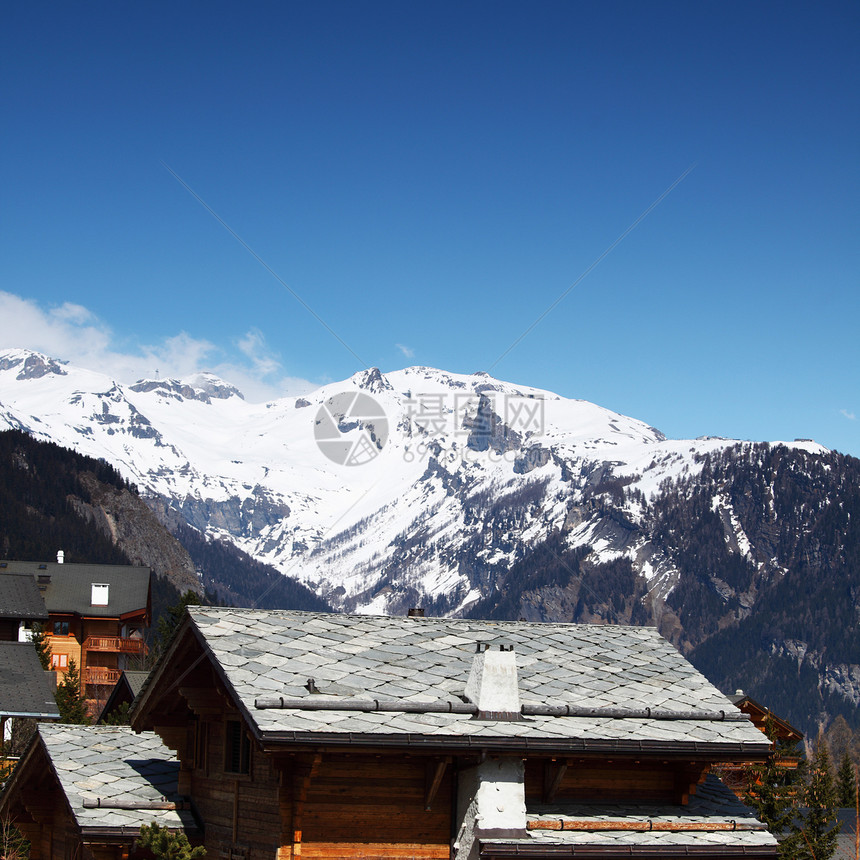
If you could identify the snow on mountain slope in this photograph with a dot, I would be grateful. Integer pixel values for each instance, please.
(455, 475)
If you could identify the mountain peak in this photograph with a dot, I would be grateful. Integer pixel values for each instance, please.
(372, 380)
(214, 386)
(202, 387)
(32, 365)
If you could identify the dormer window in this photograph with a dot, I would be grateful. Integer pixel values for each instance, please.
(100, 594)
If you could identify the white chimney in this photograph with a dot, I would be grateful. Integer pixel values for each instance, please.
(493, 684)
(60, 556)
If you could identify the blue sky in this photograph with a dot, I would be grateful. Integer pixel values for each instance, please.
(431, 177)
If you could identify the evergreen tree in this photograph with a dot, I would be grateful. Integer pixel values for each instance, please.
(846, 782)
(772, 790)
(166, 845)
(118, 716)
(70, 703)
(169, 621)
(43, 646)
(820, 827)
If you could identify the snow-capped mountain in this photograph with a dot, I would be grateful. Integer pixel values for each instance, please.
(469, 495)
(379, 492)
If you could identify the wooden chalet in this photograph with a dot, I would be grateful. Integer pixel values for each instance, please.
(329, 736)
(763, 718)
(125, 690)
(96, 615)
(83, 792)
(741, 776)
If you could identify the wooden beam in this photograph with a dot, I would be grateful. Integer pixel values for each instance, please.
(433, 779)
(553, 774)
(687, 779)
(303, 774)
(204, 701)
(236, 784)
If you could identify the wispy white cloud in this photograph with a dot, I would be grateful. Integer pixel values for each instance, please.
(74, 333)
(407, 351)
(849, 415)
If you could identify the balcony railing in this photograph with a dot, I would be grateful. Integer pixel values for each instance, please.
(120, 644)
(100, 675)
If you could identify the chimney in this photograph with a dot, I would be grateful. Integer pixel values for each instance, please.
(493, 685)
(60, 556)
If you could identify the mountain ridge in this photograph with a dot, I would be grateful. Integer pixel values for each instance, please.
(469, 494)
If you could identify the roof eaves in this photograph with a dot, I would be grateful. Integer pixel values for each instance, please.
(99, 833)
(543, 746)
(491, 850)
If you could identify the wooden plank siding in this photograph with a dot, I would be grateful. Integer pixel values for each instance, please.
(551, 780)
(242, 811)
(373, 807)
(310, 806)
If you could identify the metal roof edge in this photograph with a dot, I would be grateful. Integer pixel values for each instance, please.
(547, 746)
(491, 849)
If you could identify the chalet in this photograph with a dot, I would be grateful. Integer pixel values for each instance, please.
(84, 791)
(327, 736)
(96, 615)
(764, 719)
(125, 690)
(741, 776)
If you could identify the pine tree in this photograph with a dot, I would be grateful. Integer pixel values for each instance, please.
(169, 621)
(166, 845)
(820, 827)
(43, 646)
(772, 790)
(70, 704)
(846, 782)
(118, 716)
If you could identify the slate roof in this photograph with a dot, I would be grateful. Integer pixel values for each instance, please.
(125, 690)
(20, 597)
(113, 765)
(714, 819)
(26, 689)
(70, 586)
(386, 671)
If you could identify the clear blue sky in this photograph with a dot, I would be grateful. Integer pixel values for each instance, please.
(430, 177)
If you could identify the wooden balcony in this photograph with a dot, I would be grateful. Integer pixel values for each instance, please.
(117, 644)
(100, 675)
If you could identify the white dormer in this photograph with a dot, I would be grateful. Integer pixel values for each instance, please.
(100, 594)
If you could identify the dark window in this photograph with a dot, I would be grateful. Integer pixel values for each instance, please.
(201, 746)
(237, 756)
(61, 628)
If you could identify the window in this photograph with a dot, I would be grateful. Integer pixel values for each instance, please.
(198, 745)
(61, 628)
(237, 755)
(59, 661)
(100, 594)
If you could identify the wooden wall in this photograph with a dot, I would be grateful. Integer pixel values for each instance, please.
(370, 806)
(553, 780)
(316, 805)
